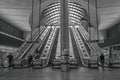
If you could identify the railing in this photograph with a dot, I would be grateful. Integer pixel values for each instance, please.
(71, 51)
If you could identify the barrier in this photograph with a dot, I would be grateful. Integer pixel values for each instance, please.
(114, 63)
(93, 63)
(5, 63)
(65, 67)
(24, 63)
(17, 64)
(56, 64)
(73, 63)
(37, 64)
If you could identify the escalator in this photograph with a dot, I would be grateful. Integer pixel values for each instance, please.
(35, 45)
(76, 52)
(84, 42)
(73, 61)
(84, 56)
(22, 61)
(53, 52)
(46, 53)
(26, 46)
(41, 47)
(94, 48)
(56, 63)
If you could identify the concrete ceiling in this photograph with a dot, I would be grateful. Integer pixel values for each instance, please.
(109, 11)
(17, 12)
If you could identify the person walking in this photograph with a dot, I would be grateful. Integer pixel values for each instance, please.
(101, 61)
(30, 58)
(10, 59)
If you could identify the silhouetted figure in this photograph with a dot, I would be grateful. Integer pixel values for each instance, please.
(10, 59)
(30, 58)
(102, 59)
(36, 54)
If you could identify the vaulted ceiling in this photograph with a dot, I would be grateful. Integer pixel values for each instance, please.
(17, 12)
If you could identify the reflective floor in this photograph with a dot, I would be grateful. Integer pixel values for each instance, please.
(49, 74)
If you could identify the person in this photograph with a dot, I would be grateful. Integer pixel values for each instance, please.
(102, 61)
(37, 54)
(30, 58)
(10, 59)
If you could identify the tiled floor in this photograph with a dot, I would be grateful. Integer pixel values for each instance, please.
(49, 74)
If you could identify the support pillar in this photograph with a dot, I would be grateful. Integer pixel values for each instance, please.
(64, 23)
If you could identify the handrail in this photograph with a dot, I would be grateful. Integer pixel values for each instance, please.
(71, 48)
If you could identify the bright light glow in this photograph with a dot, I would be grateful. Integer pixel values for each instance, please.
(77, 26)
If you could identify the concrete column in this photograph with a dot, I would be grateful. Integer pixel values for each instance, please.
(64, 22)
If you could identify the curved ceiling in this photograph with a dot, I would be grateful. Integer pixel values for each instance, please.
(51, 15)
(17, 12)
(48, 2)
